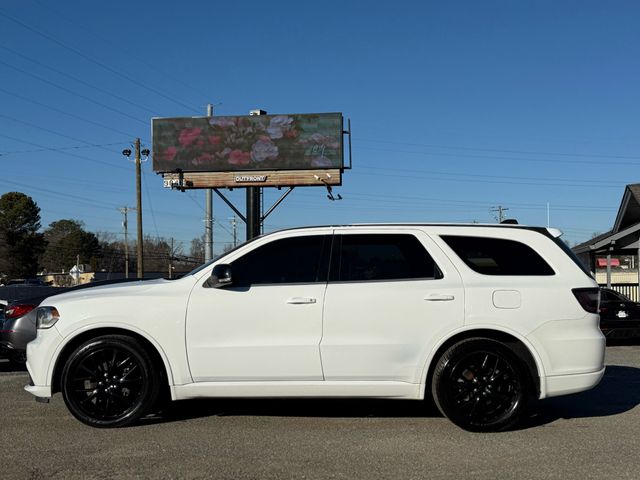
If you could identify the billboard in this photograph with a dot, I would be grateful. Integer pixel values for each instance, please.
(261, 143)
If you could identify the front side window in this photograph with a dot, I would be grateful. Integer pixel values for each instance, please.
(289, 260)
(498, 256)
(369, 257)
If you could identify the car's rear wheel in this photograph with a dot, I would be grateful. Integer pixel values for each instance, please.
(480, 385)
(109, 381)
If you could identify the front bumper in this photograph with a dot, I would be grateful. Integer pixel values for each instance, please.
(41, 356)
(39, 392)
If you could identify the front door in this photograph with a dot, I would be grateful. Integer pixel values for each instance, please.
(266, 325)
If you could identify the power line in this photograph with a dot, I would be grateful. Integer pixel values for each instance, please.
(496, 150)
(67, 196)
(446, 201)
(220, 224)
(518, 159)
(585, 183)
(139, 60)
(40, 32)
(53, 149)
(146, 187)
(63, 112)
(502, 177)
(13, 119)
(499, 211)
(63, 152)
(79, 80)
(71, 92)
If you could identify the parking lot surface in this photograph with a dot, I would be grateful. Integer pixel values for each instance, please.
(594, 434)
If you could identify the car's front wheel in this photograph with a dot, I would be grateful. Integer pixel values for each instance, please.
(480, 385)
(109, 381)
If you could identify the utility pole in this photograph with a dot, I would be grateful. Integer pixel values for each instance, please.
(500, 213)
(208, 213)
(125, 211)
(127, 153)
(171, 260)
(234, 229)
(140, 269)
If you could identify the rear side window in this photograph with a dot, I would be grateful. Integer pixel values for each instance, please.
(497, 256)
(370, 257)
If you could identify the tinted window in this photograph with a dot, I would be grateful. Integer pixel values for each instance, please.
(497, 256)
(290, 260)
(381, 257)
(609, 296)
(566, 249)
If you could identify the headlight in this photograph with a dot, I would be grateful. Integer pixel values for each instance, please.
(46, 317)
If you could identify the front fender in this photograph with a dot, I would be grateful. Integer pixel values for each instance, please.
(111, 327)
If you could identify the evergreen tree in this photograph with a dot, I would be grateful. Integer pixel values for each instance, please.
(66, 240)
(20, 242)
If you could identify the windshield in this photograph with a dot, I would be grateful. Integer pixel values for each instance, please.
(218, 257)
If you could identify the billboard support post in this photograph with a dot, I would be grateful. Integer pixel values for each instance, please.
(253, 212)
(254, 203)
(208, 213)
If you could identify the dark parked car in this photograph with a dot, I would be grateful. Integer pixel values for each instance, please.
(17, 328)
(34, 282)
(619, 316)
(18, 321)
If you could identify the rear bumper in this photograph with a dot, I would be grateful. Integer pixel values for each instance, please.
(566, 384)
(572, 355)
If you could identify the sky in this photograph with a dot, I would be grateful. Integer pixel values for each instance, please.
(457, 108)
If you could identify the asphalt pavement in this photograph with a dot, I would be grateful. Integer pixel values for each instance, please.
(591, 435)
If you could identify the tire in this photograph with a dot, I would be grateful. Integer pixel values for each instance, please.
(109, 381)
(480, 385)
(18, 359)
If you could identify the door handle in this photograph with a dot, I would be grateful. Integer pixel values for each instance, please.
(301, 300)
(437, 297)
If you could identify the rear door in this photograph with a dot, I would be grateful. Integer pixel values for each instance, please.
(391, 296)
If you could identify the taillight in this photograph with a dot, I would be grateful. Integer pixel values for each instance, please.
(15, 311)
(589, 298)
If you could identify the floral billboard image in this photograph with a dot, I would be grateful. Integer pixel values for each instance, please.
(248, 143)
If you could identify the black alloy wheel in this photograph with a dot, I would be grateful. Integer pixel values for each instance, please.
(480, 385)
(109, 381)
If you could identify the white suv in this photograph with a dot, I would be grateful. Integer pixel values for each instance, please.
(480, 317)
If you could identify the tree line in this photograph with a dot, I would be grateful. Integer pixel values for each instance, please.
(25, 250)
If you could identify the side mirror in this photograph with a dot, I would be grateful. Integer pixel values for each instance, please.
(220, 276)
